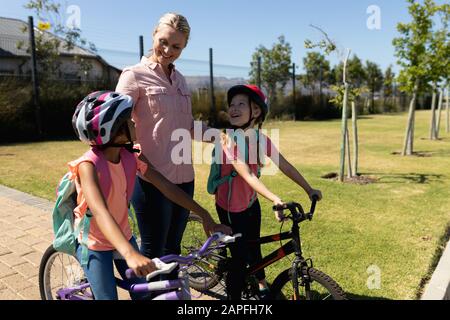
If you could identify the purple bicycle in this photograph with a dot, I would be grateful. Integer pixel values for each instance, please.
(62, 278)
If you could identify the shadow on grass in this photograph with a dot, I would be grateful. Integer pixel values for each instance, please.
(218, 292)
(365, 117)
(28, 142)
(434, 261)
(353, 296)
(419, 178)
(426, 154)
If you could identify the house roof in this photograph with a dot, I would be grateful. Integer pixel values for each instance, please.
(11, 32)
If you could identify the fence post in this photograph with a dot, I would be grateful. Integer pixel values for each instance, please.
(258, 74)
(141, 47)
(212, 118)
(34, 77)
(293, 84)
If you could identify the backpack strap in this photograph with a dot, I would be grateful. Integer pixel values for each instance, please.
(85, 223)
(101, 166)
(129, 166)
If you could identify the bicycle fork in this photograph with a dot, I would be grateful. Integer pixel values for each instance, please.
(297, 267)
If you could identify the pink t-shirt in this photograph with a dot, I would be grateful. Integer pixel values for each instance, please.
(242, 194)
(117, 204)
(160, 108)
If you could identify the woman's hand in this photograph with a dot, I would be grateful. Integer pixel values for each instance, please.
(140, 265)
(314, 192)
(211, 227)
(279, 215)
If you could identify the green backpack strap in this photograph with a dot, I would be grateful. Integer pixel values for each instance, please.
(84, 224)
(214, 178)
(62, 216)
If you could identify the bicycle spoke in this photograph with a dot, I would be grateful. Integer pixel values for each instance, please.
(70, 275)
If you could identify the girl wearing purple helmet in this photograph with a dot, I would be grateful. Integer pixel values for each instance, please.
(104, 178)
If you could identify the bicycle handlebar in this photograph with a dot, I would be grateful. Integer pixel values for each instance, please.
(168, 263)
(297, 210)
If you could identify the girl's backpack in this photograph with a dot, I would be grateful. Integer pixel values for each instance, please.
(65, 232)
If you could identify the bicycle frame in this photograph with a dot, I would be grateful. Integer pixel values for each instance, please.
(293, 246)
(181, 283)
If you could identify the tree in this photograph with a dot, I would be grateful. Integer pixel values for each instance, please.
(352, 95)
(374, 81)
(275, 64)
(438, 66)
(388, 85)
(411, 51)
(48, 47)
(356, 73)
(329, 46)
(317, 69)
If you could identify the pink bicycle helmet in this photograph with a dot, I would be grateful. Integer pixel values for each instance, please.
(100, 115)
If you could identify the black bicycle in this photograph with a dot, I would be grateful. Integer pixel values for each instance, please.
(299, 282)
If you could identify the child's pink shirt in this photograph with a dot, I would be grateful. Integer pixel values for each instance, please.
(117, 204)
(242, 193)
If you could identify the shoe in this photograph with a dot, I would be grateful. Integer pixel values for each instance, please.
(265, 294)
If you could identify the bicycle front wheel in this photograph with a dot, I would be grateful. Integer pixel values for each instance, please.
(313, 285)
(59, 271)
(202, 274)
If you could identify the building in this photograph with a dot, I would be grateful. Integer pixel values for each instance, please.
(15, 61)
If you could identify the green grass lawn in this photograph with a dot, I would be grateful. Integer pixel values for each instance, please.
(397, 224)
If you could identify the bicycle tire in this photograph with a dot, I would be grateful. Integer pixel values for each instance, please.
(202, 274)
(328, 287)
(76, 276)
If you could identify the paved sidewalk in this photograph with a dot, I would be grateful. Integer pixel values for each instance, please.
(25, 234)
(438, 288)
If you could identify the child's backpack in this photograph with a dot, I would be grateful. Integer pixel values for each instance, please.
(215, 179)
(65, 233)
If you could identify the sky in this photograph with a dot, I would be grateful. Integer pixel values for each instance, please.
(234, 28)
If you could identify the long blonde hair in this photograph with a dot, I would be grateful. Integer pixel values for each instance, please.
(176, 21)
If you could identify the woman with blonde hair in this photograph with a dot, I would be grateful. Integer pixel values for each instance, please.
(162, 105)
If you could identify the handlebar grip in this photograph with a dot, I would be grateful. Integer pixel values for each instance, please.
(129, 273)
(279, 207)
(313, 204)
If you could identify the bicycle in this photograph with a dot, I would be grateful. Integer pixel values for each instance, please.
(299, 282)
(73, 285)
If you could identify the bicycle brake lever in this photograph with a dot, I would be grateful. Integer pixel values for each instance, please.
(163, 268)
(228, 239)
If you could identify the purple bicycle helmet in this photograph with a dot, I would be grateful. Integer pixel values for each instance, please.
(100, 115)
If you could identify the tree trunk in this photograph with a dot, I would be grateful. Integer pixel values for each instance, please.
(344, 118)
(344, 132)
(409, 136)
(448, 112)
(355, 138)
(433, 114)
(349, 160)
(372, 111)
(438, 120)
(413, 129)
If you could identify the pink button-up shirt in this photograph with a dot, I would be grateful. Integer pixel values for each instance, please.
(160, 108)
